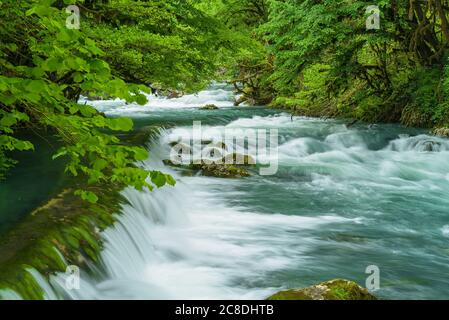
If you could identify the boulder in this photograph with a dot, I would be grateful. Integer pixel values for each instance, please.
(238, 159)
(442, 132)
(209, 107)
(338, 289)
(220, 170)
(212, 169)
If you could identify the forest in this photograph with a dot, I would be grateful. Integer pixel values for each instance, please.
(358, 89)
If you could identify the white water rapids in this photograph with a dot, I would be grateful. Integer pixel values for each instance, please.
(343, 199)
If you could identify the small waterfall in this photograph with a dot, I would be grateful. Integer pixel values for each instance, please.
(421, 143)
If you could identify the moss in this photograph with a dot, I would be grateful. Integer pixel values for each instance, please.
(63, 231)
(220, 170)
(338, 289)
(442, 132)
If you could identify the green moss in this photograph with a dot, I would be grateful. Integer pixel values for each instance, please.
(64, 231)
(338, 289)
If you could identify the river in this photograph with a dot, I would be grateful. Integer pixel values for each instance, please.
(341, 200)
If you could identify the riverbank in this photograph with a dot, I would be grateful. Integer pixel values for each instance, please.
(65, 231)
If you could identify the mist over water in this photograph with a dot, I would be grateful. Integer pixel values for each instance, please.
(342, 199)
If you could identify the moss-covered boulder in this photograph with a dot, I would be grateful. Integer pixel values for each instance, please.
(338, 289)
(209, 107)
(239, 159)
(220, 170)
(442, 132)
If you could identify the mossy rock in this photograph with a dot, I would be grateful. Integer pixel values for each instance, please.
(212, 169)
(239, 159)
(338, 289)
(442, 132)
(220, 170)
(209, 107)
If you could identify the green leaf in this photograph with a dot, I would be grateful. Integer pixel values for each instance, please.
(140, 154)
(158, 178)
(100, 164)
(87, 196)
(121, 124)
(141, 99)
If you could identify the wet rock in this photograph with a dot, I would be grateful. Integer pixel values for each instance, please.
(220, 170)
(209, 107)
(431, 146)
(442, 132)
(212, 169)
(238, 159)
(338, 289)
(174, 94)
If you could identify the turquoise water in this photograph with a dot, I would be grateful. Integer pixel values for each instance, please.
(342, 199)
(30, 183)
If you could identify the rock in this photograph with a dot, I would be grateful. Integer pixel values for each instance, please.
(209, 107)
(338, 289)
(442, 132)
(240, 100)
(220, 170)
(212, 169)
(431, 146)
(238, 159)
(174, 94)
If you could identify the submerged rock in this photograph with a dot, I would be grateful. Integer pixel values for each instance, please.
(209, 107)
(338, 289)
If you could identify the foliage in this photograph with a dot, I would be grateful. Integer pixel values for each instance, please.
(44, 67)
(394, 73)
(169, 44)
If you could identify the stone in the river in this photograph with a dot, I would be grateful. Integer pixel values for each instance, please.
(338, 289)
(220, 170)
(174, 94)
(213, 169)
(239, 159)
(431, 146)
(209, 107)
(442, 132)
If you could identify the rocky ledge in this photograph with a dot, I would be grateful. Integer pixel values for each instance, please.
(337, 289)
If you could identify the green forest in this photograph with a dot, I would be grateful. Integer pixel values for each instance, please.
(359, 91)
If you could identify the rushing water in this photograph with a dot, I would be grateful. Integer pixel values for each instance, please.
(342, 199)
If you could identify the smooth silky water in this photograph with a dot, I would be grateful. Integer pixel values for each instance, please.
(342, 199)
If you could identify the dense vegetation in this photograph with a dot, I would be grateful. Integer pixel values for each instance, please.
(314, 57)
(45, 67)
(320, 59)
